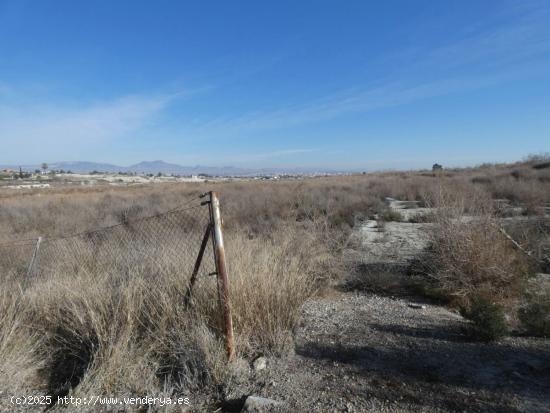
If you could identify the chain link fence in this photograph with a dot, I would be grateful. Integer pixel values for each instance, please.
(174, 243)
(16, 258)
(166, 243)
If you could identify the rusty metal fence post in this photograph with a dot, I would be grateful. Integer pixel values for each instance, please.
(221, 270)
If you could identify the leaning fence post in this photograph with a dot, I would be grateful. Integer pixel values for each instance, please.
(33, 258)
(221, 270)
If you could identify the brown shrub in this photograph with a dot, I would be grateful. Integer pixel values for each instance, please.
(469, 254)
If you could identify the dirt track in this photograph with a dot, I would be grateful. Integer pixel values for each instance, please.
(360, 352)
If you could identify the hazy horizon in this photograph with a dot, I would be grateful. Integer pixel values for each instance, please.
(282, 85)
(368, 168)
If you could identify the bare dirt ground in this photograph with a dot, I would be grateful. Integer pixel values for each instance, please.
(365, 353)
(360, 352)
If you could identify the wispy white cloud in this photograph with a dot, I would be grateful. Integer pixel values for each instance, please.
(49, 129)
(43, 124)
(520, 33)
(350, 101)
(493, 53)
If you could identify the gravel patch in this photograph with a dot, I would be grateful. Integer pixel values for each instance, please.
(358, 352)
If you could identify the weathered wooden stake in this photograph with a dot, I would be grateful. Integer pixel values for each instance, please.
(221, 270)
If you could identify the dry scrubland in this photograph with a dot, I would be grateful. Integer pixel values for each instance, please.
(286, 241)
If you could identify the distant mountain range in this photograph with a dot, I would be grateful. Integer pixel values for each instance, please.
(154, 167)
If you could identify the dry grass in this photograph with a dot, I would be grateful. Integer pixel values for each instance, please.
(133, 335)
(121, 337)
(115, 334)
(271, 279)
(19, 346)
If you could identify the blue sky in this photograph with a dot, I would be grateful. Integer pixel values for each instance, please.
(331, 84)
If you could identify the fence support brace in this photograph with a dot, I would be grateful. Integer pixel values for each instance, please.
(189, 292)
(221, 270)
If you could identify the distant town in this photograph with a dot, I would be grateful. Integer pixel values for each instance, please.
(59, 174)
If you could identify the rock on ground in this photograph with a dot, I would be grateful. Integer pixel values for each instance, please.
(256, 404)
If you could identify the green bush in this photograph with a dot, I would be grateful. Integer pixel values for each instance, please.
(488, 322)
(535, 316)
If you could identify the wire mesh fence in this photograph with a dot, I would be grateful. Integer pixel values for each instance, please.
(16, 257)
(174, 243)
(164, 243)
